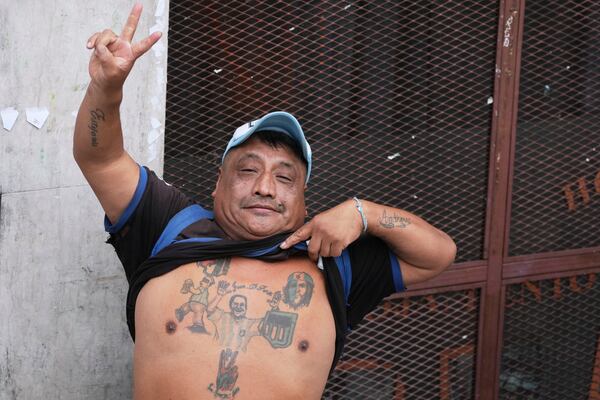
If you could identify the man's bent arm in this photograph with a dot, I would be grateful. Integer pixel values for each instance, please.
(423, 251)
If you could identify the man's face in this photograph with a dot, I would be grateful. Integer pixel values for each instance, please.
(238, 306)
(301, 289)
(204, 283)
(260, 191)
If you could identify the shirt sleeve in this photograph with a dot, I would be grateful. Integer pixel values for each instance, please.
(375, 275)
(153, 204)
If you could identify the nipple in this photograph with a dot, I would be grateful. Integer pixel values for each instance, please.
(303, 345)
(170, 327)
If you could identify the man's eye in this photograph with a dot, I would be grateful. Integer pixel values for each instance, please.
(248, 170)
(284, 178)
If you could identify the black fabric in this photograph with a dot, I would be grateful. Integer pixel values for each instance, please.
(372, 278)
(370, 282)
(134, 242)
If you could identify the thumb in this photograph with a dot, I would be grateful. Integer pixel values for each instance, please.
(103, 53)
(300, 235)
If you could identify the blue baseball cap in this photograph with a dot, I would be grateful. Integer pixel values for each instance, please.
(278, 121)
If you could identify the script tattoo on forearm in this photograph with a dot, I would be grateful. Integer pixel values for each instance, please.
(393, 221)
(96, 116)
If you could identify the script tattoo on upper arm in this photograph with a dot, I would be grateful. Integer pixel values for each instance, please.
(393, 221)
(96, 116)
(231, 328)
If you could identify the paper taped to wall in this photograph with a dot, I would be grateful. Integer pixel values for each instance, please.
(152, 152)
(160, 8)
(153, 136)
(9, 117)
(155, 123)
(36, 116)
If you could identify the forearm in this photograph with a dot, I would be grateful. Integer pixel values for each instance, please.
(412, 239)
(98, 136)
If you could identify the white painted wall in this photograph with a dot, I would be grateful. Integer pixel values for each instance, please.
(62, 332)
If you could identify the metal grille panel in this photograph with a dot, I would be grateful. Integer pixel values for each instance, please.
(394, 96)
(551, 340)
(414, 348)
(556, 189)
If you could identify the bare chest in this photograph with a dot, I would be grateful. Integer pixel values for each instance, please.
(270, 322)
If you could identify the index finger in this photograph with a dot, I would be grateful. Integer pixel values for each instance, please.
(132, 22)
(300, 235)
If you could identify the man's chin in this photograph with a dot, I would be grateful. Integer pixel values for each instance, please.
(255, 234)
(256, 228)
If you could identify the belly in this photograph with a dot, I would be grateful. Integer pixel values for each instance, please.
(234, 328)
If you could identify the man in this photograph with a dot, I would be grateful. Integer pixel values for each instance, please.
(298, 285)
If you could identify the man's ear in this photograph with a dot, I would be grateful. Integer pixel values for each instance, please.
(214, 193)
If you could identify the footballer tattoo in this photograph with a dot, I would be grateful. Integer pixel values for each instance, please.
(207, 311)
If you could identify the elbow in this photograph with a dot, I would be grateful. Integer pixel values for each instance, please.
(453, 250)
(445, 258)
(79, 154)
(79, 158)
(449, 254)
(445, 253)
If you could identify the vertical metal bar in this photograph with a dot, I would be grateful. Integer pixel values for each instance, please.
(504, 122)
(479, 349)
(515, 60)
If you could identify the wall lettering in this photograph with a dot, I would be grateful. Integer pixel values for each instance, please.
(584, 194)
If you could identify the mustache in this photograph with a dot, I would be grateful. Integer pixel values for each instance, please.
(262, 203)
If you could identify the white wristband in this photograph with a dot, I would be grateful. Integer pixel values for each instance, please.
(359, 207)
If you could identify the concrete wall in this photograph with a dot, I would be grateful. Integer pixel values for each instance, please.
(63, 333)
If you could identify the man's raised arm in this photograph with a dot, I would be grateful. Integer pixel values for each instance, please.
(98, 139)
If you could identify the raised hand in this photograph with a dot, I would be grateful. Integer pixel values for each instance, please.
(223, 288)
(113, 56)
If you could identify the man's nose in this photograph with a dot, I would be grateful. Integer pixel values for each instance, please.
(265, 185)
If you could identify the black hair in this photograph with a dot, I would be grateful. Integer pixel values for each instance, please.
(277, 140)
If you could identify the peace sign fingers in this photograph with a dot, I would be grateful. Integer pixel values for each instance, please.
(144, 45)
(132, 23)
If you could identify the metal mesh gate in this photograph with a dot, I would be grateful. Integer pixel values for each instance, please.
(420, 347)
(551, 340)
(394, 96)
(556, 189)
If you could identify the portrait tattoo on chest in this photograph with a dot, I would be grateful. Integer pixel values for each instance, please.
(298, 290)
(230, 325)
